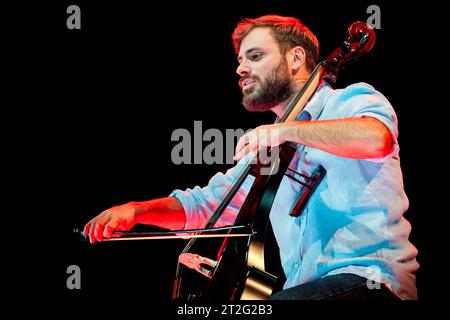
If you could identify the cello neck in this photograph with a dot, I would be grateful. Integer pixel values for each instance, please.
(301, 98)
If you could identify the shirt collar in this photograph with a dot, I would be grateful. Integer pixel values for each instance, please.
(315, 106)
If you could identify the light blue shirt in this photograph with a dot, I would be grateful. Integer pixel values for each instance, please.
(354, 221)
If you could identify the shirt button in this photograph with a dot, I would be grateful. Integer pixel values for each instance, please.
(306, 156)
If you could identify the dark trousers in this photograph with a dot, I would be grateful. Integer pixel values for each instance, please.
(344, 286)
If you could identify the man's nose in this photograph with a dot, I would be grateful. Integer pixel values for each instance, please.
(242, 69)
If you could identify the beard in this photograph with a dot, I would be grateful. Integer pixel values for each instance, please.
(271, 92)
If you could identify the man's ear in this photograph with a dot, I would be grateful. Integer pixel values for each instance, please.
(298, 58)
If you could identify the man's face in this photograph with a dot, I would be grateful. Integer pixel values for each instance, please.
(265, 78)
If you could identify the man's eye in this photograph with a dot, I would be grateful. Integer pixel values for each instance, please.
(255, 56)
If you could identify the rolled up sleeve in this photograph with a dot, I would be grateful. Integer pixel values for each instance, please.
(199, 203)
(362, 100)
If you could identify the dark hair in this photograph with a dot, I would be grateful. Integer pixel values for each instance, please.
(289, 32)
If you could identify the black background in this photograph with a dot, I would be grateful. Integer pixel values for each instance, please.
(96, 108)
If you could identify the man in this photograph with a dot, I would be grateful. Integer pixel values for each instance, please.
(352, 230)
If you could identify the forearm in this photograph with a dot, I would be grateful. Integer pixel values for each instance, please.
(163, 212)
(357, 138)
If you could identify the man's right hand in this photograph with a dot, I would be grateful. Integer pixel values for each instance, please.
(121, 217)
